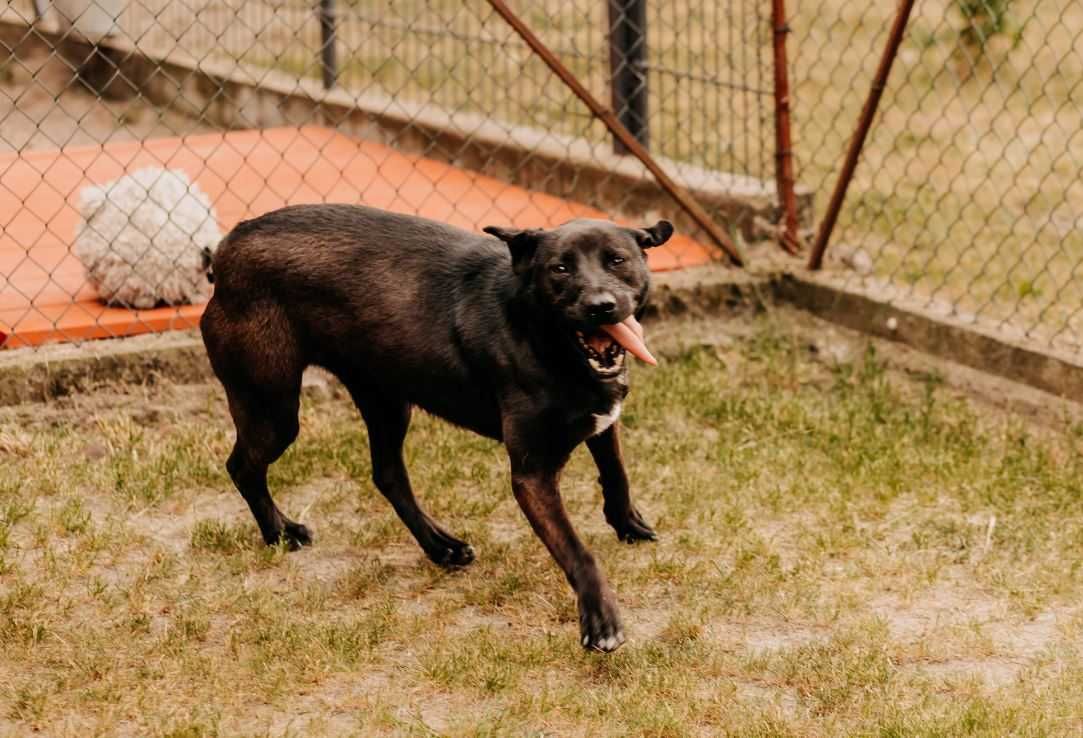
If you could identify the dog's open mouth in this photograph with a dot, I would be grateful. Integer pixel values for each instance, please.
(604, 355)
(605, 347)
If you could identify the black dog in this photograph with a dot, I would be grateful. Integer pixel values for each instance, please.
(520, 339)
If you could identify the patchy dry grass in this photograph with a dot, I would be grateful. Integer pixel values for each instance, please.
(845, 551)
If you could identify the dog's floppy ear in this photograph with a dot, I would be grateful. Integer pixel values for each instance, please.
(656, 235)
(521, 243)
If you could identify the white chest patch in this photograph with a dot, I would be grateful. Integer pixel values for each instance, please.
(601, 422)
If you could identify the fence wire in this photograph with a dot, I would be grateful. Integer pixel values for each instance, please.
(968, 199)
(179, 85)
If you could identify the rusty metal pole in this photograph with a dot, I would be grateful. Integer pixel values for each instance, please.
(891, 50)
(686, 201)
(784, 178)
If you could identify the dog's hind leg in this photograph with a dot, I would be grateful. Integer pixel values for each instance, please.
(266, 426)
(618, 508)
(257, 362)
(387, 420)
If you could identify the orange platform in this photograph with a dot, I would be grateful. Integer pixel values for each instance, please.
(44, 297)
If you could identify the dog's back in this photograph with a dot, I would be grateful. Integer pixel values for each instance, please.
(376, 297)
(305, 252)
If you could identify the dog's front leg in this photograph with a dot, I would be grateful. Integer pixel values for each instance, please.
(618, 508)
(538, 494)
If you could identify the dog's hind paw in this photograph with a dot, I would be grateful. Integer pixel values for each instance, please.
(294, 535)
(452, 555)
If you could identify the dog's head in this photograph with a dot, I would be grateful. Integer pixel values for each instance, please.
(590, 275)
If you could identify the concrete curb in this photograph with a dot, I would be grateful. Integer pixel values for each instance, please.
(943, 336)
(55, 371)
(49, 372)
(29, 375)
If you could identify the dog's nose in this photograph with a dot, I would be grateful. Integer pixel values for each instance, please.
(601, 307)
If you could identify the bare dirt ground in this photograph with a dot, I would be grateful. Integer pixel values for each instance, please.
(852, 544)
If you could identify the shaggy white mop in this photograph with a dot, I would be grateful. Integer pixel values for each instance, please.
(142, 238)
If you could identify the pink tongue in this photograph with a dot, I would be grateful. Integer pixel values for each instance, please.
(629, 334)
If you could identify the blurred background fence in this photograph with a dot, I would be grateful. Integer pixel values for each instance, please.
(449, 81)
(706, 63)
(968, 199)
(969, 196)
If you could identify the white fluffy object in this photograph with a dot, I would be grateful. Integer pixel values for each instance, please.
(142, 238)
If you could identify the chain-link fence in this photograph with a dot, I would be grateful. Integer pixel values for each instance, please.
(968, 198)
(707, 64)
(427, 106)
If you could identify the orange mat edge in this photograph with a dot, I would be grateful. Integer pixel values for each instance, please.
(82, 319)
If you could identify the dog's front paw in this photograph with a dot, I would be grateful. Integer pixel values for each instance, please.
(600, 627)
(632, 528)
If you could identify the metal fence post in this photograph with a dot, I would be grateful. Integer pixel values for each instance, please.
(784, 177)
(619, 131)
(628, 68)
(328, 57)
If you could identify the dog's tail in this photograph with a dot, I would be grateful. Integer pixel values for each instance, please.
(208, 263)
(208, 253)
(239, 231)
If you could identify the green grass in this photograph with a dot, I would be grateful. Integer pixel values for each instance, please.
(846, 550)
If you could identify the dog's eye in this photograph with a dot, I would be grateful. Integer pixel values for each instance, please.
(615, 260)
(558, 269)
